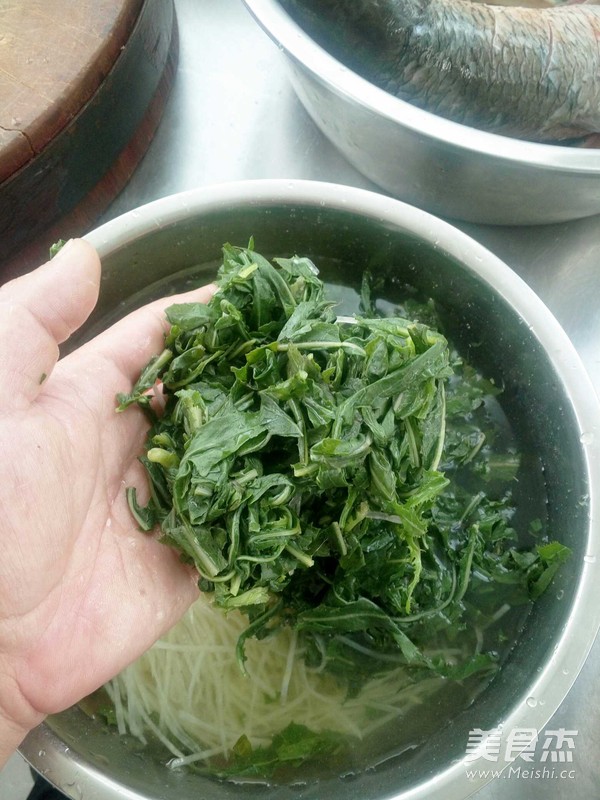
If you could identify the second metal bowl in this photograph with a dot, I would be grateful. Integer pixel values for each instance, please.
(439, 165)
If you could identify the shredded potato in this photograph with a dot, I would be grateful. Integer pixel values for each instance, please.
(188, 690)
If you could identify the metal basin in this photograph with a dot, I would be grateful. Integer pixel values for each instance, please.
(506, 331)
(439, 165)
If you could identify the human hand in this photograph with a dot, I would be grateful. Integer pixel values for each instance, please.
(82, 591)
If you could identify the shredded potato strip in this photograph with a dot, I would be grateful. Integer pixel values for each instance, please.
(188, 691)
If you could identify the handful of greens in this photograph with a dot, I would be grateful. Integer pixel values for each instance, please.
(314, 467)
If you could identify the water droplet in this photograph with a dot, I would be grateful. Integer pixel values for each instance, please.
(586, 438)
(75, 790)
(565, 671)
(41, 753)
(531, 702)
(589, 559)
(560, 594)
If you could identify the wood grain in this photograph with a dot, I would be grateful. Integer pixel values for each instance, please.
(54, 54)
(61, 191)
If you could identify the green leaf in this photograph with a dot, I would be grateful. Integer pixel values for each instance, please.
(552, 555)
(293, 746)
(189, 316)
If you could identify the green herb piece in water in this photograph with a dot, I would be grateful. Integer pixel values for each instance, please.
(291, 747)
(316, 471)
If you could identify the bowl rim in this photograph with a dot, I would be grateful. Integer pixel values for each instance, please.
(297, 45)
(50, 755)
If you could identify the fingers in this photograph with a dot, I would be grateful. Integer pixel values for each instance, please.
(110, 363)
(125, 348)
(40, 310)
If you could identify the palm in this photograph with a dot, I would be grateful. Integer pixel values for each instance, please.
(82, 591)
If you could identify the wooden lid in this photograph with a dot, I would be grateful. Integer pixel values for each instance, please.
(54, 54)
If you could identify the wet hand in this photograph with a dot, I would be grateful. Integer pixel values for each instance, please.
(82, 591)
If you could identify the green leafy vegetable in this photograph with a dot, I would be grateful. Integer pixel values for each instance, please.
(54, 248)
(319, 473)
(291, 747)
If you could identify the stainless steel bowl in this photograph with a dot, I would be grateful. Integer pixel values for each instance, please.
(547, 395)
(442, 166)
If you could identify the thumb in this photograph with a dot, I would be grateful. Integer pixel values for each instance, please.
(40, 310)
